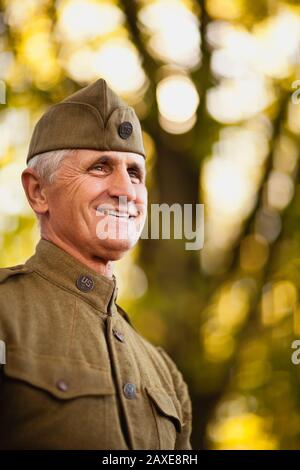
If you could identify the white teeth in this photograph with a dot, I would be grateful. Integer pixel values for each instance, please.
(113, 213)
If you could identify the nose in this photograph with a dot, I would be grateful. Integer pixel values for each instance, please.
(120, 184)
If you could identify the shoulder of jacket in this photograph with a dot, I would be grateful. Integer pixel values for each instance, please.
(6, 273)
(165, 355)
(173, 368)
(180, 384)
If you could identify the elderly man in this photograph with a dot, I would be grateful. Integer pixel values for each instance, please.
(77, 375)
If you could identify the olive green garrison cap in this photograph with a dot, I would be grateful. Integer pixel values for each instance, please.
(92, 118)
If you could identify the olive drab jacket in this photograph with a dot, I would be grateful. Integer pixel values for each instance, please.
(77, 375)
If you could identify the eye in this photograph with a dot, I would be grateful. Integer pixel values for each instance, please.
(135, 175)
(100, 167)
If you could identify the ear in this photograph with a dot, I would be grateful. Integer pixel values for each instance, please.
(35, 191)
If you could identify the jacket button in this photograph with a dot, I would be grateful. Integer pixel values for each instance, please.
(119, 335)
(85, 283)
(62, 385)
(129, 391)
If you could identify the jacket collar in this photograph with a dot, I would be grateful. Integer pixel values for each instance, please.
(59, 267)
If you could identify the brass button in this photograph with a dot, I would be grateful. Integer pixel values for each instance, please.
(85, 283)
(62, 385)
(118, 335)
(129, 391)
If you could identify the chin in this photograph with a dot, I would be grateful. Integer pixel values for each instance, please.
(114, 250)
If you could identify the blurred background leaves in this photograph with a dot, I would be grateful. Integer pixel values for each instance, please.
(212, 82)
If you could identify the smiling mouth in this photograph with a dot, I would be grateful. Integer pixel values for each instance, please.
(119, 215)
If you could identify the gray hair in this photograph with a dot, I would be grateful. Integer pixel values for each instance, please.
(46, 164)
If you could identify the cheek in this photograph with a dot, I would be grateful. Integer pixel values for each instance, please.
(142, 197)
(60, 209)
(90, 190)
(74, 192)
(56, 199)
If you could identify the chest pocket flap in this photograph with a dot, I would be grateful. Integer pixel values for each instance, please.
(62, 377)
(167, 405)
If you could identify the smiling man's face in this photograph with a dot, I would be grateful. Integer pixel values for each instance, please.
(97, 203)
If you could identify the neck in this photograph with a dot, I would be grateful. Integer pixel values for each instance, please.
(97, 264)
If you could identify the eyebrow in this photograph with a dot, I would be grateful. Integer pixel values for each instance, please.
(131, 164)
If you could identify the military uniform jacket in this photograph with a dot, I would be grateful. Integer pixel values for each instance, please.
(77, 375)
